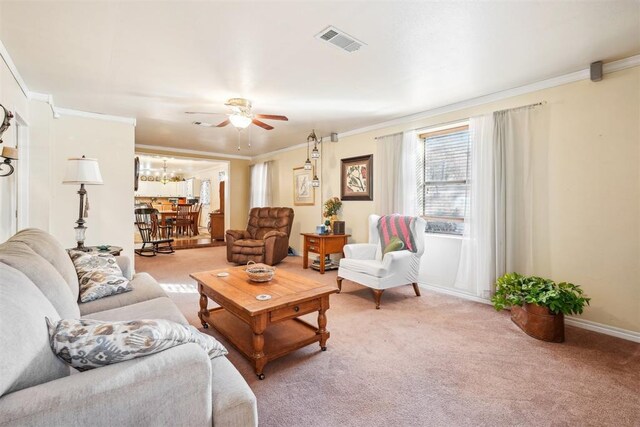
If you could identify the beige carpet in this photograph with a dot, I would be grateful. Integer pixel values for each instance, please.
(433, 360)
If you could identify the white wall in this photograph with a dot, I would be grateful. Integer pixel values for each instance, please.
(12, 97)
(586, 192)
(111, 205)
(212, 174)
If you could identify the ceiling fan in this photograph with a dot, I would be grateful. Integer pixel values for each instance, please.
(240, 116)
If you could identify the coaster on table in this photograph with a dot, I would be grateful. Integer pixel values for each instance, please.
(263, 297)
(222, 274)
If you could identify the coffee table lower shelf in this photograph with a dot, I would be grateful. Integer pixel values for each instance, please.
(280, 338)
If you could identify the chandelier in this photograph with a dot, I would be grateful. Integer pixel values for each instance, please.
(165, 178)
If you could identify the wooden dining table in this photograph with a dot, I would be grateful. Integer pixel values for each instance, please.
(172, 214)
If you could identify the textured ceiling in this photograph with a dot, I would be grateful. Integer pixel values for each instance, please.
(155, 60)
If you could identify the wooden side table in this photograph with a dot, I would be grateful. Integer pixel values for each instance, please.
(323, 245)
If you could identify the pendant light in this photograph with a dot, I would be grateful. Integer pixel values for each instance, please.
(315, 154)
(315, 182)
(307, 164)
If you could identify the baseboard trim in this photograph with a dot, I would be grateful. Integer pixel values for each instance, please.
(453, 292)
(613, 331)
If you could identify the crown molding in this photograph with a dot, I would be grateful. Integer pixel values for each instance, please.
(177, 150)
(89, 115)
(4, 53)
(632, 61)
(43, 97)
(279, 151)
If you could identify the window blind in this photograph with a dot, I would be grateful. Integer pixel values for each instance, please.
(443, 159)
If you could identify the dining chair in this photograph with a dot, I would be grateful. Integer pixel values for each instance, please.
(184, 219)
(159, 230)
(197, 210)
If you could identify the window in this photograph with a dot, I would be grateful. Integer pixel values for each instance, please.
(205, 192)
(443, 169)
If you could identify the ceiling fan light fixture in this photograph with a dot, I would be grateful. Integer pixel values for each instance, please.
(240, 121)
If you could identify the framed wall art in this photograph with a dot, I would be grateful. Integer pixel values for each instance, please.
(303, 191)
(356, 178)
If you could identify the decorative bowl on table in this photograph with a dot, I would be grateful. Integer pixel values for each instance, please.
(103, 248)
(258, 272)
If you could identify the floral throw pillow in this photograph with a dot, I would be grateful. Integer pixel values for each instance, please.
(87, 344)
(99, 275)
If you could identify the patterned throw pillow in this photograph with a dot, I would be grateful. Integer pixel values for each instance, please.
(99, 275)
(395, 244)
(87, 344)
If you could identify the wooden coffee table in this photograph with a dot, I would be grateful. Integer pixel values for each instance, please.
(264, 330)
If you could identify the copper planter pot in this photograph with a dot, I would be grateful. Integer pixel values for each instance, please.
(538, 322)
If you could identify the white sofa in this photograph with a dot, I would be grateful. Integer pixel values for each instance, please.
(177, 387)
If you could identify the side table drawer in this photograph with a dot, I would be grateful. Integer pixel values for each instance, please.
(313, 245)
(295, 310)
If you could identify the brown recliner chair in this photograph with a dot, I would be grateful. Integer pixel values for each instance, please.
(266, 238)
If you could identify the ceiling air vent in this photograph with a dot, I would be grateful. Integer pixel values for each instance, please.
(340, 39)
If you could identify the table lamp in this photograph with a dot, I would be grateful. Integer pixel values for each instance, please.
(82, 171)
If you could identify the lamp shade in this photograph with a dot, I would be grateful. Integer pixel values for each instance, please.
(9, 153)
(81, 170)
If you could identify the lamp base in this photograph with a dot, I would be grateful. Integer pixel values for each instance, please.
(81, 247)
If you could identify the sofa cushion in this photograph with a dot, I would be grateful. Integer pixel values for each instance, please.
(88, 343)
(99, 275)
(234, 404)
(42, 274)
(249, 243)
(51, 250)
(27, 359)
(143, 288)
(370, 267)
(158, 308)
(248, 247)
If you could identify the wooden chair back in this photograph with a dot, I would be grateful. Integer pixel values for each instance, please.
(145, 223)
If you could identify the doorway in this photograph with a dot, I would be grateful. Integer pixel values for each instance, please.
(189, 195)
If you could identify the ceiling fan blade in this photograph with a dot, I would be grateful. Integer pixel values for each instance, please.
(203, 124)
(272, 117)
(263, 125)
(200, 112)
(223, 124)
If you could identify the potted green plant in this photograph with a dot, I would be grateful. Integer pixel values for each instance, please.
(538, 305)
(331, 208)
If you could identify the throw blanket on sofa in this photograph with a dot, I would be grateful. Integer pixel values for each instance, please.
(399, 226)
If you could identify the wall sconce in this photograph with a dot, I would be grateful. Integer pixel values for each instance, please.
(8, 153)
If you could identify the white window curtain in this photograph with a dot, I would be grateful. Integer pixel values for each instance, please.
(514, 191)
(498, 235)
(260, 185)
(476, 271)
(397, 189)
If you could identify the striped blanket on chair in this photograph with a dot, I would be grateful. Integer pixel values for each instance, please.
(399, 226)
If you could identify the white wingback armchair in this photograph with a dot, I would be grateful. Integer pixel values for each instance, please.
(363, 262)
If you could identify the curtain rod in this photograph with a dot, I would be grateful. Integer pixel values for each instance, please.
(458, 121)
(523, 106)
